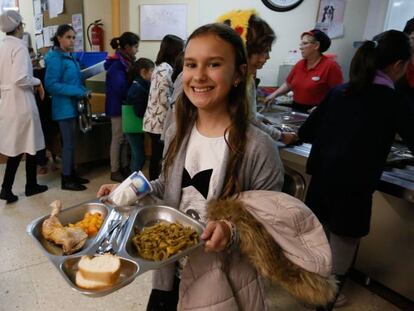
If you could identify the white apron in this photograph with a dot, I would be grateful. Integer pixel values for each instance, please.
(20, 128)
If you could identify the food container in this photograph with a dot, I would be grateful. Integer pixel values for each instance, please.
(66, 216)
(149, 216)
(135, 219)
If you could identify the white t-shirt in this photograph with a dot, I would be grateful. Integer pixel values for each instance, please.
(202, 170)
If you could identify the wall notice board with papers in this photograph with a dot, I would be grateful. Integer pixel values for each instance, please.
(158, 20)
(46, 26)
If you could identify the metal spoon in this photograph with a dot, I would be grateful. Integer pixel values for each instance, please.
(106, 240)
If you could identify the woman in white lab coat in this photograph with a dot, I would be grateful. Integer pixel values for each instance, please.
(20, 128)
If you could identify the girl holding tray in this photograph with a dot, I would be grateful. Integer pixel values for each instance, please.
(212, 153)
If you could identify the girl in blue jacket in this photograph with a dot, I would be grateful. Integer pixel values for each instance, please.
(63, 81)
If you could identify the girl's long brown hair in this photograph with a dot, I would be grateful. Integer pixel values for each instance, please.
(186, 112)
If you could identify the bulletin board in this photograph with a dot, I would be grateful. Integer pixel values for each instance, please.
(158, 20)
(70, 7)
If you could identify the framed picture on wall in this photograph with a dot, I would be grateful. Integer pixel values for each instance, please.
(6, 5)
(330, 17)
(158, 20)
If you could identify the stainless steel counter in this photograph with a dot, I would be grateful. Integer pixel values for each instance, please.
(398, 182)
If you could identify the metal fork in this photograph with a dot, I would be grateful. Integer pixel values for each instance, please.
(106, 242)
(110, 245)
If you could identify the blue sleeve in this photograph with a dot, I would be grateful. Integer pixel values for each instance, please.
(54, 71)
(117, 79)
(138, 98)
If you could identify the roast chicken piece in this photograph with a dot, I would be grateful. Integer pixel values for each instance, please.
(72, 239)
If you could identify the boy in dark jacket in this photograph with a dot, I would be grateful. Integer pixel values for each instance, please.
(138, 98)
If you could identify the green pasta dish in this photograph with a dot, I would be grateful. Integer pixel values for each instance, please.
(163, 240)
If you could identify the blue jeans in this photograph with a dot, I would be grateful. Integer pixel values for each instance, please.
(68, 133)
(136, 142)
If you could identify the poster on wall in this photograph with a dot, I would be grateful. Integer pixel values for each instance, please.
(77, 25)
(158, 20)
(330, 17)
(6, 5)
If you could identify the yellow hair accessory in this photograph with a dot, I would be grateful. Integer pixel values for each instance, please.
(238, 20)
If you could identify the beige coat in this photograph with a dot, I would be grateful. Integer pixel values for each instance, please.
(279, 239)
(20, 127)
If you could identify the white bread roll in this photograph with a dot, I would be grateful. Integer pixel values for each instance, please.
(100, 271)
(89, 284)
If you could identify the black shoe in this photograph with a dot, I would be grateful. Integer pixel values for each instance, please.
(76, 178)
(117, 176)
(8, 196)
(68, 183)
(35, 189)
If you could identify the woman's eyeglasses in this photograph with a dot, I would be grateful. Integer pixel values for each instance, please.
(305, 43)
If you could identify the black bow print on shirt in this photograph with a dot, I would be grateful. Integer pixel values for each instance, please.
(200, 181)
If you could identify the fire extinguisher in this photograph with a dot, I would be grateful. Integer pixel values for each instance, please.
(97, 35)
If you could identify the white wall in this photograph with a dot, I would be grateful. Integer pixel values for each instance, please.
(398, 13)
(150, 49)
(376, 18)
(287, 25)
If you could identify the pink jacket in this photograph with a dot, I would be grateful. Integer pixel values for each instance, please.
(280, 239)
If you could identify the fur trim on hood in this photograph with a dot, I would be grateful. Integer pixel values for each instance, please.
(268, 257)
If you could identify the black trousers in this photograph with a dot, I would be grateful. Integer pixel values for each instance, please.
(157, 146)
(11, 169)
(164, 301)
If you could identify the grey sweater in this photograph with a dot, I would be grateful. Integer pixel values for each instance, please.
(262, 169)
(256, 118)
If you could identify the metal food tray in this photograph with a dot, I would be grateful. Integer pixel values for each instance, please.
(132, 265)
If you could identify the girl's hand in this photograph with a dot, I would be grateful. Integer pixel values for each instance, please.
(106, 189)
(217, 235)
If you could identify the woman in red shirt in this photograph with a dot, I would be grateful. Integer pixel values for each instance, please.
(313, 76)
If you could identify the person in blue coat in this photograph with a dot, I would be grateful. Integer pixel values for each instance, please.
(138, 98)
(117, 67)
(63, 81)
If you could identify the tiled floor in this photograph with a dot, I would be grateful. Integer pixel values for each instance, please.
(29, 282)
